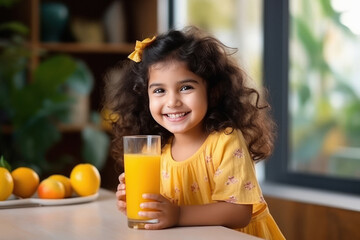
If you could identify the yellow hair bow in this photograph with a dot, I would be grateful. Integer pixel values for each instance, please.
(139, 48)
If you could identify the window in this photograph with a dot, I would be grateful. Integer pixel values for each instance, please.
(236, 23)
(311, 55)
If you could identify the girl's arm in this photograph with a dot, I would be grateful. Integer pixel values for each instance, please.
(220, 213)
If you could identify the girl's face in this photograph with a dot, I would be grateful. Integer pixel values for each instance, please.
(177, 97)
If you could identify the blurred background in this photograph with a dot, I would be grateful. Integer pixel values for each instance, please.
(55, 54)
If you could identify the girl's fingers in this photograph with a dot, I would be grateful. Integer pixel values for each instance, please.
(121, 205)
(150, 214)
(153, 226)
(122, 178)
(120, 194)
(150, 205)
(121, 186)
(151, 196)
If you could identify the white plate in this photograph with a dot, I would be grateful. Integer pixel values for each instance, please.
(38, 202)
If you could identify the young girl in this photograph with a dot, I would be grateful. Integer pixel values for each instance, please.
(184, 86)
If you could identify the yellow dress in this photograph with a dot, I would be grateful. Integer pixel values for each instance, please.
(221, 170)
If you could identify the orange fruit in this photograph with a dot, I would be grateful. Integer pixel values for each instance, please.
(85, 179)
(26, 181)
(51, 189)
(65, 181)
(6, 184)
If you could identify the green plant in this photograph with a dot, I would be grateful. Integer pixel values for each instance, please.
(32, 110)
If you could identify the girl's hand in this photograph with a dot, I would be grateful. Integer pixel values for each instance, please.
(166, 212)
(121, 194)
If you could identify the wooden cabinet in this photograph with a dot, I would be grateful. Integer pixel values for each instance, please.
(298, 220)
(139, 21)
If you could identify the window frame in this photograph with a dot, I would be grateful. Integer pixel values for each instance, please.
(276, 75)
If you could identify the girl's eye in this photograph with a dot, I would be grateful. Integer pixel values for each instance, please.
(158, 90)
(187, 87)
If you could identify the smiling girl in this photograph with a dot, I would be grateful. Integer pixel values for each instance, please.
(185, 86)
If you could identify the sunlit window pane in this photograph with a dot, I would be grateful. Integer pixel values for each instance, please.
(324, 87)
(237, 23)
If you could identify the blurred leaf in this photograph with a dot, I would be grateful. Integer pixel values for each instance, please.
(330, 13)
(312, 46)
(96, 146)
(352, 122)
(82, 80)
(327, 8)
(43, 96)
(4, 164)
(53, 72)
(25, 103)
(31, 102)
(15, 27)
(13, 59)
(304, 93)
(34, 138)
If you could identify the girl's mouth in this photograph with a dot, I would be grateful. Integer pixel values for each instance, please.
(176, 116)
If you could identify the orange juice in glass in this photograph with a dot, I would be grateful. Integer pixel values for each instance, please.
(142, 174)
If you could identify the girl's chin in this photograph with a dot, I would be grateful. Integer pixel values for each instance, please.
(176, 129)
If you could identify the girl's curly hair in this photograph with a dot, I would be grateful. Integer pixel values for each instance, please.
(231, 102)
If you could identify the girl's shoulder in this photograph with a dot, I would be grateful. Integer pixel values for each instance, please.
(228, 145)
(226, 141)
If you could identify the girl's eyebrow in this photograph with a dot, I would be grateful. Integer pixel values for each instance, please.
(188, 81)
(155, 85)
(180, 82)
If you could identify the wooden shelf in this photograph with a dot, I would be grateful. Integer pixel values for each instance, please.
(108, 48)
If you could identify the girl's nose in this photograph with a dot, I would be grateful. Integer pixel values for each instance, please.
(173, 101)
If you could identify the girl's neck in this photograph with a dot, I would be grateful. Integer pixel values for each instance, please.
(185, 145)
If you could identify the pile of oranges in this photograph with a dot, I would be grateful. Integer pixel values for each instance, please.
(24, 182)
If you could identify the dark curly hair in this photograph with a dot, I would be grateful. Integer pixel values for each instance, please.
(232, 103)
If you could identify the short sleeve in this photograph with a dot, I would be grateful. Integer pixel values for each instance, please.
(235, 179)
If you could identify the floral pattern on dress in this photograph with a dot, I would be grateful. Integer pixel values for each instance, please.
(208, 159)
(195, 187)
(262, 199)
(231, 199)
(177, 190)
(249, 185)
(218, 172)
(165, 174)
(206, 179)
(231, 180)
(239, 153)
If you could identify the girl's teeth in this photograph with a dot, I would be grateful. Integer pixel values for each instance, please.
(177, 115)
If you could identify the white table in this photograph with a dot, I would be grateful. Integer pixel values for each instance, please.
(99, 219)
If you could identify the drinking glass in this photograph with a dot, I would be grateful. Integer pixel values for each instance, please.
(142, 174)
